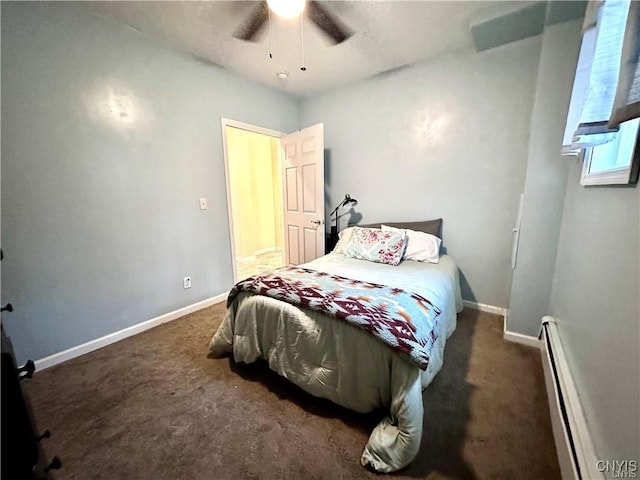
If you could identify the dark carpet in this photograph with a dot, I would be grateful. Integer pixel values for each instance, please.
(155, 407)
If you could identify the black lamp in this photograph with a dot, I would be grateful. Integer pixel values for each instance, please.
(348, 201)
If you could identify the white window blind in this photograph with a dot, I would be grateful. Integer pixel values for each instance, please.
(627, 102)
(580, 85)
(605, 67)
(596, 81)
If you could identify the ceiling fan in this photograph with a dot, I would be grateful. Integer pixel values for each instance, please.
(319, 15)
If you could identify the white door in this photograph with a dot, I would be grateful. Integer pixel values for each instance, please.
(303, 194)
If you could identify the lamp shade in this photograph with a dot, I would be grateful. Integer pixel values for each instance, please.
(347, 201)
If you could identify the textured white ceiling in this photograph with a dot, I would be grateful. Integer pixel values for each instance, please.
(387, 35)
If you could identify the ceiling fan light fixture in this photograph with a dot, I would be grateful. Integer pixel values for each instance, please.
(287, 8)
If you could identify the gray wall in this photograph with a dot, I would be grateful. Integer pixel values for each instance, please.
(546, 179)
(100, 212)
(579, 260)
(594, 298)
(469, 168)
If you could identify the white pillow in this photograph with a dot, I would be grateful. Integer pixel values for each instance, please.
(344, 237)
(421, 247)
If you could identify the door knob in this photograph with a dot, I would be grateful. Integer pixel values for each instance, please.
(317, 222)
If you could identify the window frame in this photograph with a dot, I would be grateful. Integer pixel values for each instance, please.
(627, 175)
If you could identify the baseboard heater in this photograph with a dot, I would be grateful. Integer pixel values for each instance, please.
(574, 447)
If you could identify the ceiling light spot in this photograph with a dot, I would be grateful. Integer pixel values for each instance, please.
(282, 75)
(286, 8)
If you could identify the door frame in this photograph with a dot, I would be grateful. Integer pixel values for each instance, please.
(226, 122)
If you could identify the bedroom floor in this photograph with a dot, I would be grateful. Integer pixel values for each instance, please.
(260, 263)
(155, 407)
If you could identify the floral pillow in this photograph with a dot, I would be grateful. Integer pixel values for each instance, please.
(376, 245)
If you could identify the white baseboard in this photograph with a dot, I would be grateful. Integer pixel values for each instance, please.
(250, 258)
(256, 254)
(485, 308)
(504, 312)
(92, 345)
(523, 339)
(519, 337)
(267, 250)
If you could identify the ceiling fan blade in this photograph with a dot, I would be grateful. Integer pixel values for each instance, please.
(327, 22)
(253, 24)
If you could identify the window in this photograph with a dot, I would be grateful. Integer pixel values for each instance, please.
(612, 163)
(602, 123)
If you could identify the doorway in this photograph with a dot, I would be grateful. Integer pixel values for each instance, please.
(254, 194)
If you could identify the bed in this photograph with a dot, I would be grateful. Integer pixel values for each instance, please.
(341, 361)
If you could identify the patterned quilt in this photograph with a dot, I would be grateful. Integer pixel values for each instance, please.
(402, 320)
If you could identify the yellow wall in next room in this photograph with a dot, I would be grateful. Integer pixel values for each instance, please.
(254, 178)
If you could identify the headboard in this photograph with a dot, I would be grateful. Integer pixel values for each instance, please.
(434, 227)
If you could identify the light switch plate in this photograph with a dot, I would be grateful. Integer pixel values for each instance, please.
(203, 204)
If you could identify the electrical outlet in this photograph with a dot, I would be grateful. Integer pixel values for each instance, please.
(203, 204)
(186, 282)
